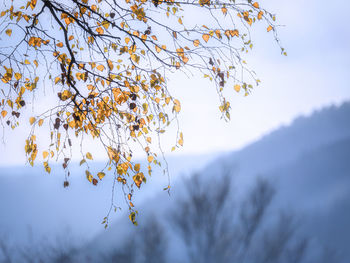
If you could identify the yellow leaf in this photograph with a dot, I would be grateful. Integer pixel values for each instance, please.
(127, 40)
(137, 167)
(269, 28)
(100, 30)
(135, 58)
(26, 62)
(48, 169)
(256, 5)
(45, 154)
(105, 24)
(18, 76)
(88, 176)
(138, 179)
(132, 218)
(150, 158)
(204, 2)
(181, 140)
(66, 94)
(89, 156)
(9, 32)
(224, 10)
(100, 67)
(158, 49)
(41, 121)
(149, 139)
(177, 106)
(206, 37)
(234, 33)
(57, 79)
(3, 113)
(110, 64)
(31, 120)
(100, 175)
(60, 44)
(260, 15)
(237, 88)
(196, 43)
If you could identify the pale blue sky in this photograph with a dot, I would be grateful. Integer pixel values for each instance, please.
(316, 36)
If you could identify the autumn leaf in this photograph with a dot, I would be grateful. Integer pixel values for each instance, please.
(256, 5)
(204, 2)
(158, 49)
(100, 67)
(100, 175)
(89, 156)
(196, 43)
(45, 154)
(181, 140)
(132, 218)
(105, 24)
(100, 30)
(206, 37)
(237, 87)
(88, 176)
(224, 10)
(65, 95)
(177, 106)
(9, 32)
(269, 28)
(94, 181)
(31, 120)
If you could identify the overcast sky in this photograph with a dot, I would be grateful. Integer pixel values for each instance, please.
(316, 35)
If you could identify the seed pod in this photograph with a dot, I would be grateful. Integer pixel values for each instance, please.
(132, 106)
(133, 96)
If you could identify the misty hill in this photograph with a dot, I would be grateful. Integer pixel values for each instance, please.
(307, 163)
(317, 184)
(286, 144)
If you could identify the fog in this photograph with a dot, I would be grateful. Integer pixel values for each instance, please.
(283, 198)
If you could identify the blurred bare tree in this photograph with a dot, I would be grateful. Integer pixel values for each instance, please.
(212, 224)
(214, 228)
(125, 254)
(6, 251)
(148, 245)
(154, 242)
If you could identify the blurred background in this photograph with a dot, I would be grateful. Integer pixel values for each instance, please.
(271, 185)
